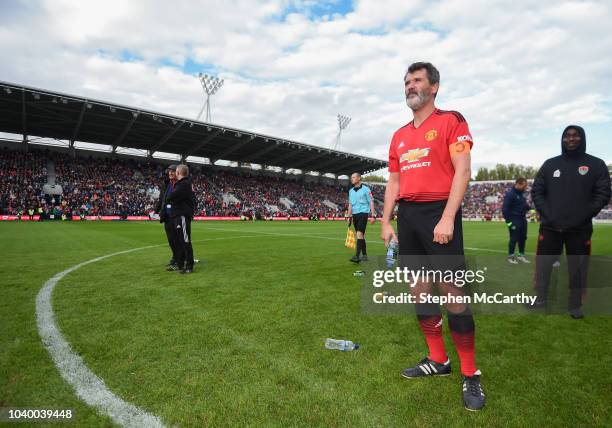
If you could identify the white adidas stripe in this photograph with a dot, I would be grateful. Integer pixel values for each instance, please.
(184, 229)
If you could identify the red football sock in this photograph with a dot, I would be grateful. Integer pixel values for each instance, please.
(432, 329)
(463, 330)
(464, 344)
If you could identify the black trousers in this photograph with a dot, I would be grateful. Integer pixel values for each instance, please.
(172, 239)
(183, 250)
(518, 234)
(577, 248)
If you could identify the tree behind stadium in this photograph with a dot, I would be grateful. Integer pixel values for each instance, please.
(505, 172)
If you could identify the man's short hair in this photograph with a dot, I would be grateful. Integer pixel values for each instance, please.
(183, 170)
(433, 75)
(521, 180)
(356, 173)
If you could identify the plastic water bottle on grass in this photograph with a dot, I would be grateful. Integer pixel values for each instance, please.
(341, 345)
(392, 253)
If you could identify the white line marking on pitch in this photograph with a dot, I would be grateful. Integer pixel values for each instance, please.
(89, 387)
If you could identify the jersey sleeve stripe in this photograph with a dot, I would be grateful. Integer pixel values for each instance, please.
(458, 115)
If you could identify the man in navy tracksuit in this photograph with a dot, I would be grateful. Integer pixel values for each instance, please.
(568, 191)
(514, 209)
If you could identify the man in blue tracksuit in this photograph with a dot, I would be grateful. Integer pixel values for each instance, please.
(514, 209)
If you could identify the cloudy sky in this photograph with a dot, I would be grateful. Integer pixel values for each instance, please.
(519, 71)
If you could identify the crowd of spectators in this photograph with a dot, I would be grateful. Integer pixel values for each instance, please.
(484, 200)
(263, 196)
(121, 186)
(107, 186)
(22, 177)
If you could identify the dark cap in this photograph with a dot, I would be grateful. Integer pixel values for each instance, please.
(171, 168)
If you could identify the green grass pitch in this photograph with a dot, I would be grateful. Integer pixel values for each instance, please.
(240, 342)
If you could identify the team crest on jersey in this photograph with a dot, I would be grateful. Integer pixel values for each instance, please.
(430, 135)
(414, 155)
(582, 170)
(557, 174)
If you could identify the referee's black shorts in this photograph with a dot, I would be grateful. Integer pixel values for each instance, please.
(360, 222)
(415, 225)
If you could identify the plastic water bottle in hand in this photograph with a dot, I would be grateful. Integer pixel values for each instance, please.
(392, 253)
(341, 345)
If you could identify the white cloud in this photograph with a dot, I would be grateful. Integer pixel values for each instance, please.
(518, 76)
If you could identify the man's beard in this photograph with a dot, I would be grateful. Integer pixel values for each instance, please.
(415, 103)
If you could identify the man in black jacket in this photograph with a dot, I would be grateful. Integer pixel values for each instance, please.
(568, 191)
(163, 209)
(514, 209)
(182, 206)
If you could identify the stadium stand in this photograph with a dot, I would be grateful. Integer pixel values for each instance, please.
(39, 113)
(484, 200)
(22, 176)
(125, 186)
(116, 186)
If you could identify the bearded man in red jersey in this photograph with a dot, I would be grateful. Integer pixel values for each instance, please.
(429, 170)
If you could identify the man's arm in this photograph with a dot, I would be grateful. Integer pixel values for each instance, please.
(372, 211)
(601, 190)
(506, 205)
(443, 232)
(538, 190)
(349, 211)
(391, 194)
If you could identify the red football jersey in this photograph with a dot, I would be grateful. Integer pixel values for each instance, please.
(422, 155)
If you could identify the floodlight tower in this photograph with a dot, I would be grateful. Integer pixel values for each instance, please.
(343, 122)
(210, 84)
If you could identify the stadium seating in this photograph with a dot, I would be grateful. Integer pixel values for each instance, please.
(483, 201)
(22, 176)
(122, 186)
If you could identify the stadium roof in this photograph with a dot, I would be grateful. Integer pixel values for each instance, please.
(39, 112)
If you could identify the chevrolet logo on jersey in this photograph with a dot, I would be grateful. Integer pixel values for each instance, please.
(414, 155)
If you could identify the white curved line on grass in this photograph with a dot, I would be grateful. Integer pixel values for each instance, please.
(89, 387)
